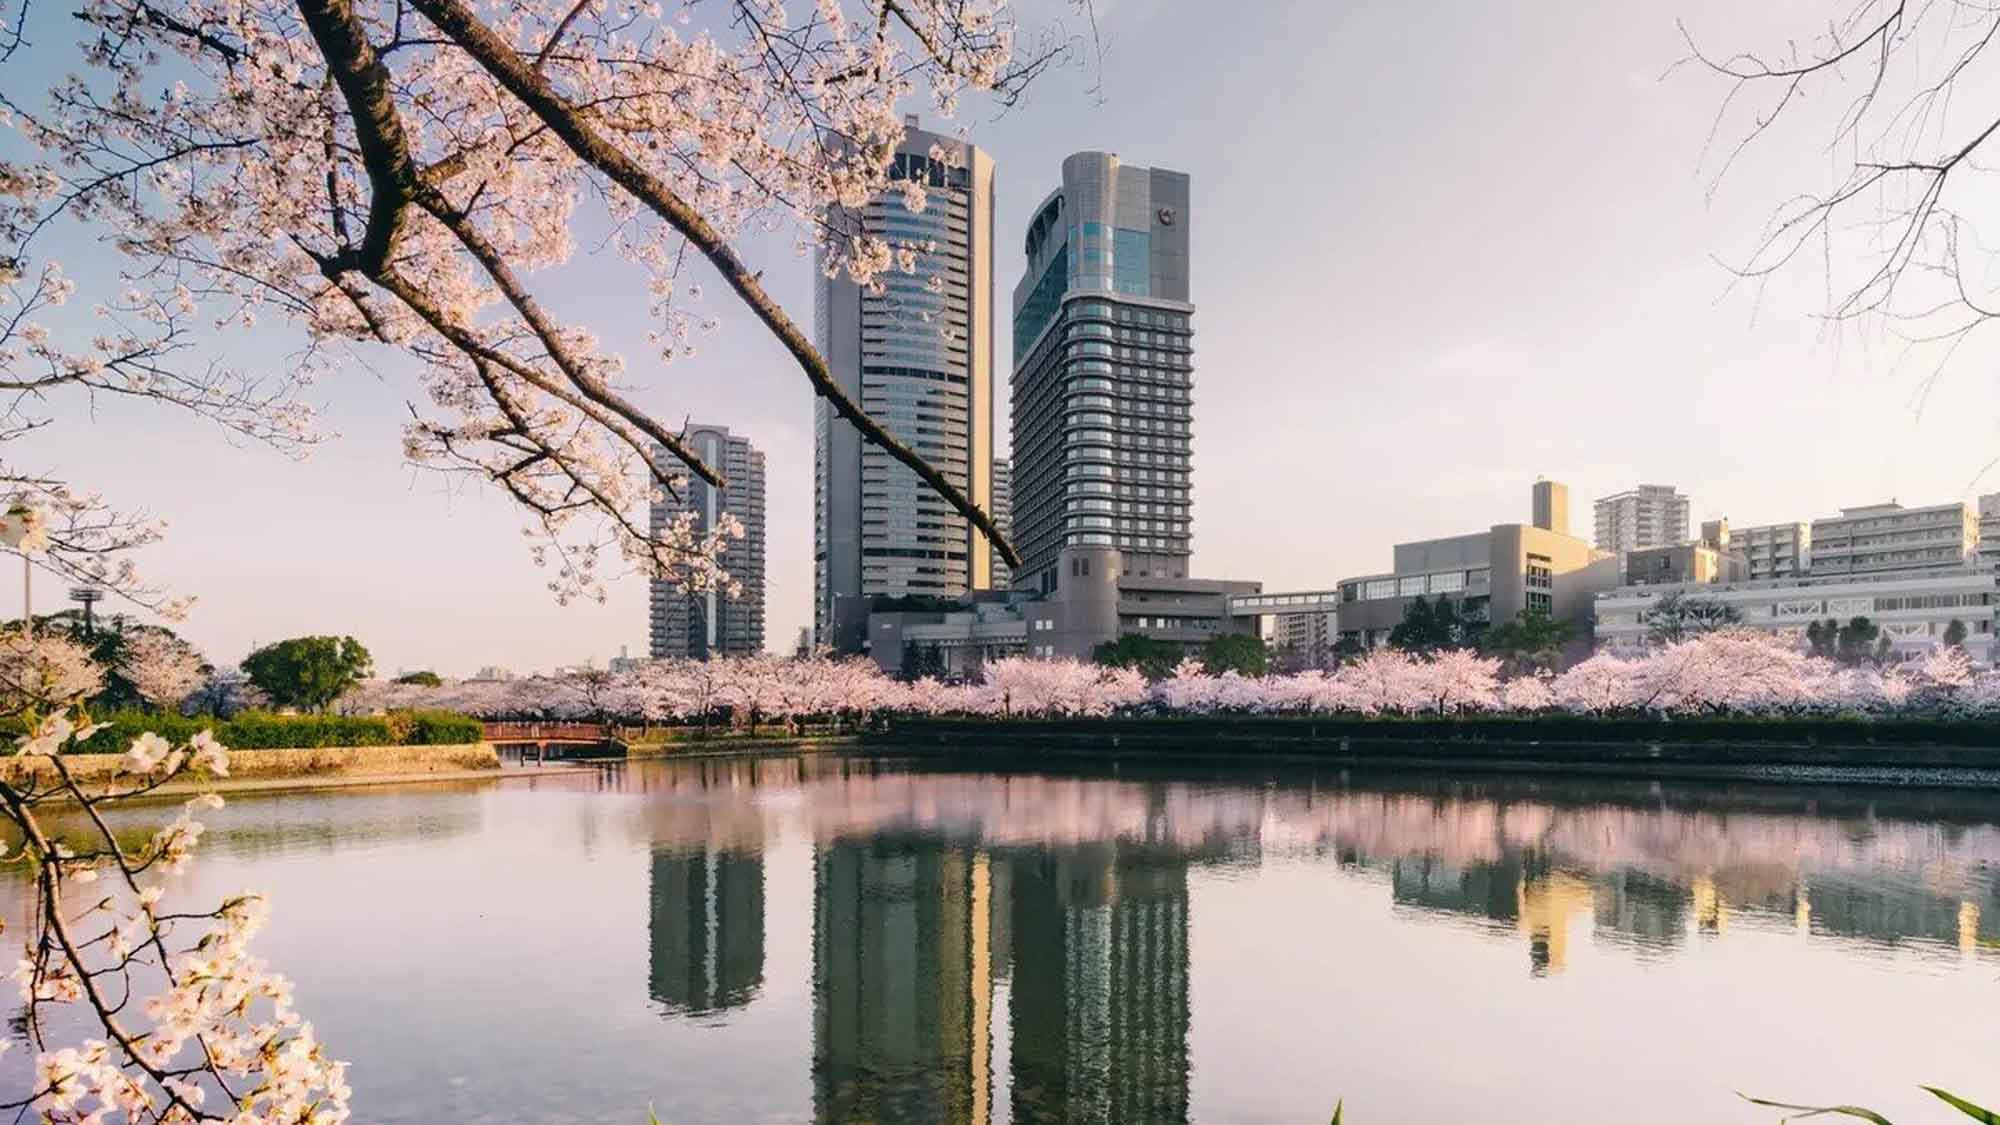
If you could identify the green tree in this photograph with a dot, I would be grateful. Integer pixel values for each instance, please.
(1532, 640)
(1954, 634)
(419, 679)
(1241, 653)
(1429, 627)
(1677, 617)
(308, 672)
(1823, 637)
(922, 660)
(1854, 642)
(1156, 659)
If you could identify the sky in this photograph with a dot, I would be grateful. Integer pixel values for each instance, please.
(1438, 251)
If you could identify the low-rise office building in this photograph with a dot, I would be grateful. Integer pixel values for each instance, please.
(1688, 562)
(1096, 598)
(1913, 608)
(953, 642)
(1491, 575)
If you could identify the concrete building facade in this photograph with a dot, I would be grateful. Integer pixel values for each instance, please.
(1887, 537)
(1492, 576)
(1550, 502)
(918, 356)
(1651, 515)
(1103, 374)
(701, 625)
(1913, 608)
(1772, 550)
(1304, 640)
(1097, 598)
(1688, 562)
(1989, 530)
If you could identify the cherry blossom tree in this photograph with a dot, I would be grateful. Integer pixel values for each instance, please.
(161, 667)
(193, 1026)
(402, 175)
(46, 669)
(1458, 680)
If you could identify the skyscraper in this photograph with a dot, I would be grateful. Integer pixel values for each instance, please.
(1651, 515)
(1103, 365)
(699, 625)
(917, 354)
(1003, 516)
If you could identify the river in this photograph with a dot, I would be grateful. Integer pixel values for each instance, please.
(860, 939)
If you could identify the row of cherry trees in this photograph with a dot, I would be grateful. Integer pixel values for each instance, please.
(1731, 672)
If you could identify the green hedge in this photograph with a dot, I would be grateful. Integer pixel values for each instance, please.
(259, 730)
(1838, 729)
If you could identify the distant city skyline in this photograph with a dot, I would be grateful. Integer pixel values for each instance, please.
(1387, 356)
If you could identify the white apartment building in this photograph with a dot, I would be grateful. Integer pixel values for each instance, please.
(1651, 515)
(1989, 529)
(1772, 550)
(1884, 537)
(1912, 607)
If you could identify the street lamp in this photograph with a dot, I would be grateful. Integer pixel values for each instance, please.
(24, 529)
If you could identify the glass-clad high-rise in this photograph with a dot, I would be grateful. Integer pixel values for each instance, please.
(917, 353)
(1103, 372)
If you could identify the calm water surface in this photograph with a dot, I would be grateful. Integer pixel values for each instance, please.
(849, 940)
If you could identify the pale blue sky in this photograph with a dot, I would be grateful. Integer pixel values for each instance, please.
(1438, 250)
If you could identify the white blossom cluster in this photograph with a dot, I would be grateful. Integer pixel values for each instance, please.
(1728, 672)
(193, 1027)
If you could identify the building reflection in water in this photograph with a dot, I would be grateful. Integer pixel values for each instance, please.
(1098, 1002)
(911, 936)
(707, 930)
(945, 902)
(902, 981)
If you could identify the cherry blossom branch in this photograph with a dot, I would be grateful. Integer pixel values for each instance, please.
(524, 81)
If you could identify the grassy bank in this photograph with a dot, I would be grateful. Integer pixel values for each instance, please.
(262, 765)
(260, 730)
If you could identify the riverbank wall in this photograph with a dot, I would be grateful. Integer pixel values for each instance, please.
(734, 745)
(318, 763)
(1927, 752)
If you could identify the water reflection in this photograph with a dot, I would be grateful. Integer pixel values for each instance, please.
(1098, 1009)
(902, 982)
(990, 946)
(707, 930)
(840, 939)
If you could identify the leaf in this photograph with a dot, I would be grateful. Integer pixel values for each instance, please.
(1336, 1111)
(1818, 1110)
(1965, 1107)
(651, 1117)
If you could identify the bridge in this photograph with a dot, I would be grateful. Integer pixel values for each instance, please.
(1304, 601)
(559, 740)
